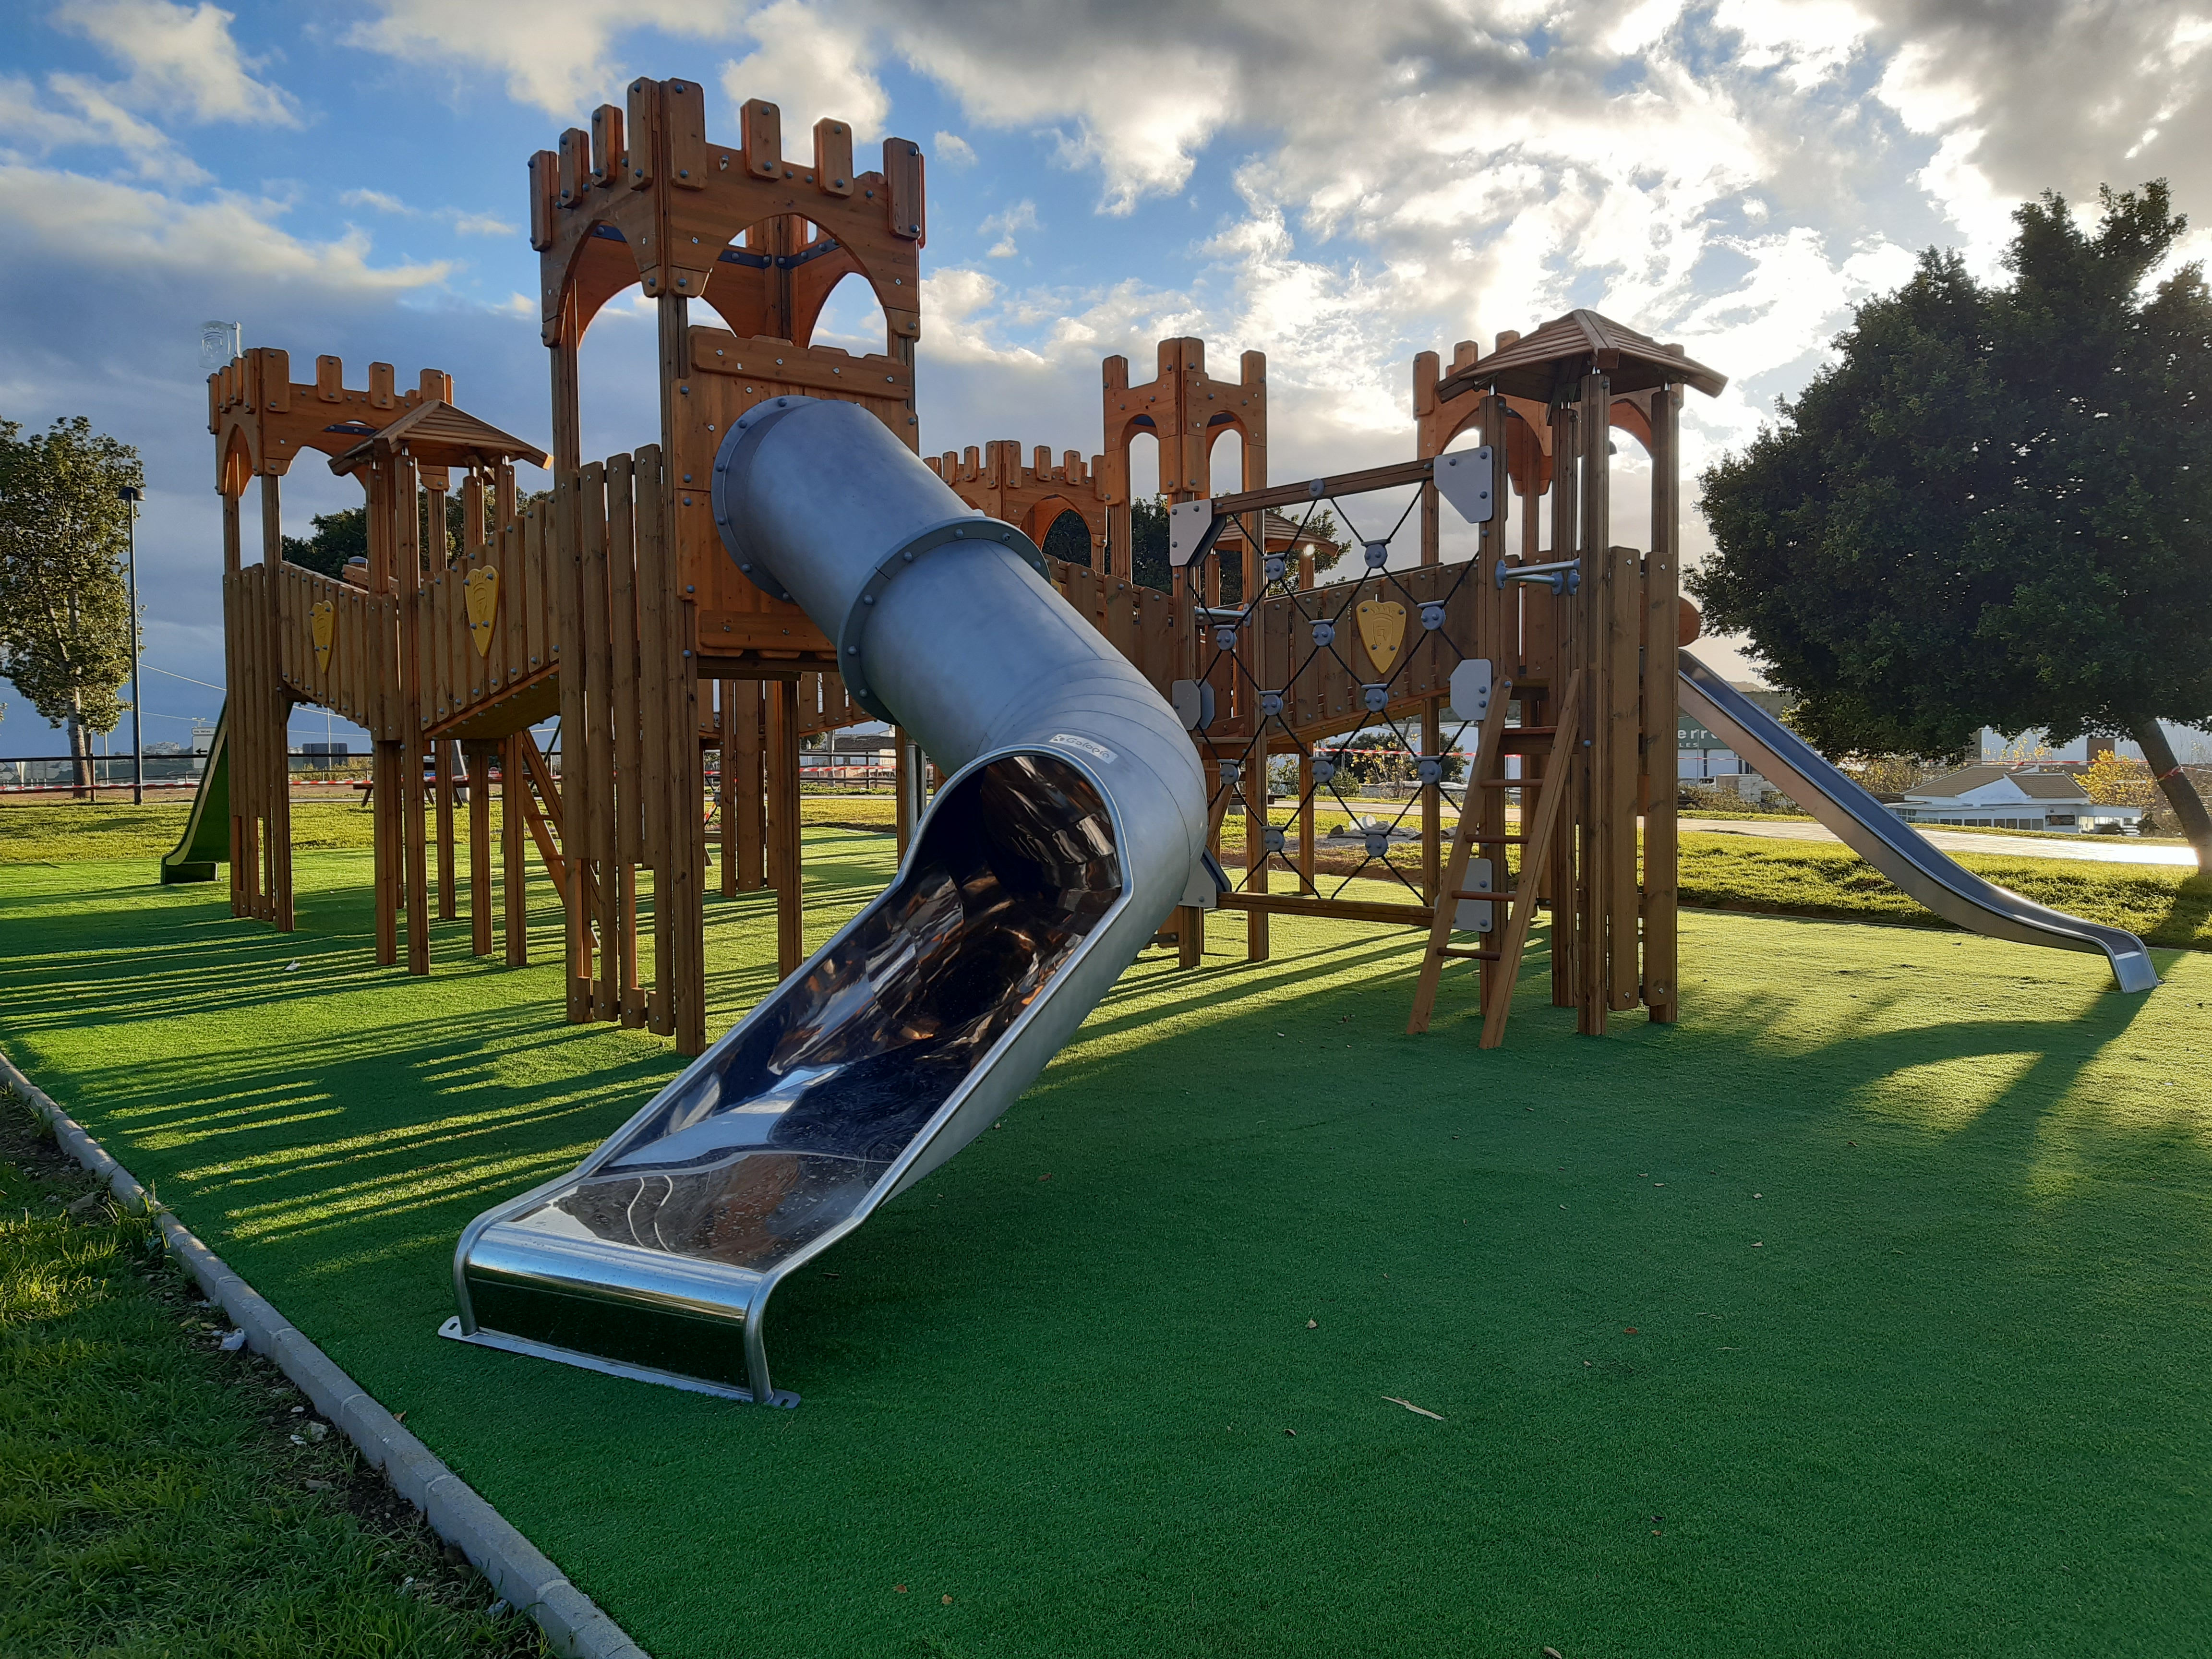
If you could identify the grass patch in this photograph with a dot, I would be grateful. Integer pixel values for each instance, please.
(2163, 905)
(61, 832)
(161, 1497)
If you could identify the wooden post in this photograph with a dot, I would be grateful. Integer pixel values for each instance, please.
(385, 798)
(1497, 637)
(1661, 591)
(1256, 820)
(1306, 826)
(479, 774)
(513, 853)
(726, 783)
(681, 901)
(234, 680)
(1567, 752)
(1598, 625)
(564, 537)
(413, 806)
(279, 805)
(752, 787)
(784, 863)
(906, 774)
(639, 835)
(601, 884)
(1432, 743)
(442, 764)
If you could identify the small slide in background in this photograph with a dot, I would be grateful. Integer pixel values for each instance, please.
(206, 840)
(1892, 846)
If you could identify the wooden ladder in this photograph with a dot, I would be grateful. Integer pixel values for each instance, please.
(1538, 832)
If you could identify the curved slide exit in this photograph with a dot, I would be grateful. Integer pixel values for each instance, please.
(1885, 841)
(1071, 826)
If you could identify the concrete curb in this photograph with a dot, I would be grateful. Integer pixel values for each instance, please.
(573, 1623)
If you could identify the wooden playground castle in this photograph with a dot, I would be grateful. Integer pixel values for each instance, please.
(609, 602)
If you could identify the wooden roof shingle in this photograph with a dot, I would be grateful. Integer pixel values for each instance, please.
(1564, 349)
(439, 435)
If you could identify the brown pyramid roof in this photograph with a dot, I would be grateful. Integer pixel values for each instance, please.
(438, 434)
(1564, 349)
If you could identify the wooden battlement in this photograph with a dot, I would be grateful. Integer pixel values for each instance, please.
(262, 419)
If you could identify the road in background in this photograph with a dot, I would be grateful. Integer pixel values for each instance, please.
(2100, 849)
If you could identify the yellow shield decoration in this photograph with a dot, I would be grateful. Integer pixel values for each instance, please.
(322, 623)
(1381, 630)
(483, 605)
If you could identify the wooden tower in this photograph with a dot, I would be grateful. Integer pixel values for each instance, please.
(1582, 634)
(645, 198)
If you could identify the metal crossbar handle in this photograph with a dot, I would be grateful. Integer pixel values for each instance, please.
(1564, 576)
(1466, 477)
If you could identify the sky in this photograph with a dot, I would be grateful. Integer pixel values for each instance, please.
(1338, 183)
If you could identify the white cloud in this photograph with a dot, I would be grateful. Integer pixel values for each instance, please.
(182, 60)
(1424, 177)
(83, 114)
(1022, 216)
(74, 219)
(382, 201)
(951, 150)
(812, 68)
(464, 222)
(557, 55)
(1807, 40)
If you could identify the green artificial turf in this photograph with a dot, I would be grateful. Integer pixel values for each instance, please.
(160, 1498)
(1863, 1312)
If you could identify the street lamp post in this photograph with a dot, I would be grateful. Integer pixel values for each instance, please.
(130, 497)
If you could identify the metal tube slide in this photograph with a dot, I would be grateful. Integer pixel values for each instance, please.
(1071, 828)
(1885, 841)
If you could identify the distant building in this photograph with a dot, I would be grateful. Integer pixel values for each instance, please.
(2004, 798)
(1702, 757)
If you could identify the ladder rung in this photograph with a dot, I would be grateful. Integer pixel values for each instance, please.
(1470, 956)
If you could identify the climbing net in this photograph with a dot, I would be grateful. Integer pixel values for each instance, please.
(1320, 617)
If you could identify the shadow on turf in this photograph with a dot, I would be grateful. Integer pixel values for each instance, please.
(316, 1134)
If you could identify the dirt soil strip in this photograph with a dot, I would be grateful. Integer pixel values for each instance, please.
(573, 1625)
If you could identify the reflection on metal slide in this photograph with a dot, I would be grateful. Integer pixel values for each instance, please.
(1885, 841)
(1074, 821)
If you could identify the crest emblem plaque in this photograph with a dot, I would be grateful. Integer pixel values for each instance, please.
(1381, 630)
(483, 605)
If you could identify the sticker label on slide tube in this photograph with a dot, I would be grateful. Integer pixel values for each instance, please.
(1097, 751)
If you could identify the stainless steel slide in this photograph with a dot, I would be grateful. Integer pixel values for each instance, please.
(1070, 830)
(1885, 841)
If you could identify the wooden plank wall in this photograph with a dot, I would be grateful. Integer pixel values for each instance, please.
(633, 794)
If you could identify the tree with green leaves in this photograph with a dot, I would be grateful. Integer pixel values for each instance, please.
(337, 538)
(65, 621)
(1995, 507)
(1148, 536)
